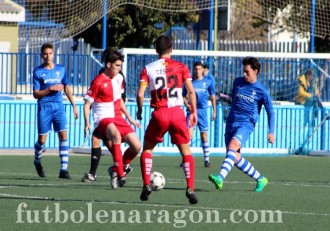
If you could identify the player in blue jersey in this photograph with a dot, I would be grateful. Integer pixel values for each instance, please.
(49, 79)
(204, 89)
(208, 75)
(248, 96)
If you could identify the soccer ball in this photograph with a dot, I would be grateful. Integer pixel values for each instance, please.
(157, 181)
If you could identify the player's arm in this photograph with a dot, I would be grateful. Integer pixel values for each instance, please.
(87, 111)
(271, 118)
(192, 100)
(211, 90)
(128, 116)
(233, 92)
(140, 98)
(214, 106)
(184, 96)
(37, 94)
(68, 93)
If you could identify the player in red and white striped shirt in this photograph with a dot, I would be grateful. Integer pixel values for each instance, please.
(165, 78)
(104, 96)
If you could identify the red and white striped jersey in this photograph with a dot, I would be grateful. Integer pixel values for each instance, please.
(105, 96)
(165, 78)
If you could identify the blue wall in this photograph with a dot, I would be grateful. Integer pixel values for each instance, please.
(18, 127)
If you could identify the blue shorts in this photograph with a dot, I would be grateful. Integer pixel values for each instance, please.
(202, 120)
(51, 113)
(240, 131)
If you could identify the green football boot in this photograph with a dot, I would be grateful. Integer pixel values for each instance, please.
(261, 184)
(216, 180)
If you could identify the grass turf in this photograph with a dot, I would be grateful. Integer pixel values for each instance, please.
(298, 194)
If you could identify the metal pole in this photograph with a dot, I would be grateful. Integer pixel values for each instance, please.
(269, 27)
(216, 25)
(104, 25)
(312, 44)
(312, 31)
(210, 45)
(228, 15)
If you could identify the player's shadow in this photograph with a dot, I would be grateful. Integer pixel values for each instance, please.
(297, 182)
(23, 178)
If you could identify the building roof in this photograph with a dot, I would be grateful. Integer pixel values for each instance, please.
(7, 7)
(11, 12)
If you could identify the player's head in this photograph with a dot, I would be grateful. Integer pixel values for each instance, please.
(111, 56)
(206, 69)
(198, 70)
(46, 46)
(253, 62)
(47, 53)
(113, 61)
(105, 52)
(163, 45)
(251, 69)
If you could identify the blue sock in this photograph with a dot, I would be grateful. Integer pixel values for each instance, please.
(38, 149)
(245, 166)
(206, 151)
(64, 154)
(227, 164)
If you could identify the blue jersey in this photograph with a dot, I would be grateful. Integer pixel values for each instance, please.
(211, 77)
(247, 100)
(203, 89)
(44, 78)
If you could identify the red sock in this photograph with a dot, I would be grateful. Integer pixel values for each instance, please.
(189, 170)
(117, 159)
(146, 166)
(128, 156)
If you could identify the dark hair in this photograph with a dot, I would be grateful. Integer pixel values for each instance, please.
(253, 62)
(198, 64)
(309, 72)
(206, 66)
(46, 46)
(111, 56)
(105, 52)
(163, 44)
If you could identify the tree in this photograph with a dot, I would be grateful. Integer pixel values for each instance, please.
(127, 25)
(135, 26)
(243, 24)
(299, 19)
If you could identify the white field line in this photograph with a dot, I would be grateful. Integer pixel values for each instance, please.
(170, 180)
(290, 184)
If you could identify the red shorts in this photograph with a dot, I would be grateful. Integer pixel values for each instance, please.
(121, 124)
(172, 120)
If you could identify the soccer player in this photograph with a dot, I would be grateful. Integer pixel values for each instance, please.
(104, 96)
(49, 79)
(208, 75)
(165, 78)
(248, 96)
(96, 151)
(204, 90)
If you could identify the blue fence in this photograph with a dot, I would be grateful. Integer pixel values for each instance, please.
(278, 75)
(17, 71)
(18, 127)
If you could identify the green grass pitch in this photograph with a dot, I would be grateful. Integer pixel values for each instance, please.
(297, 197)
